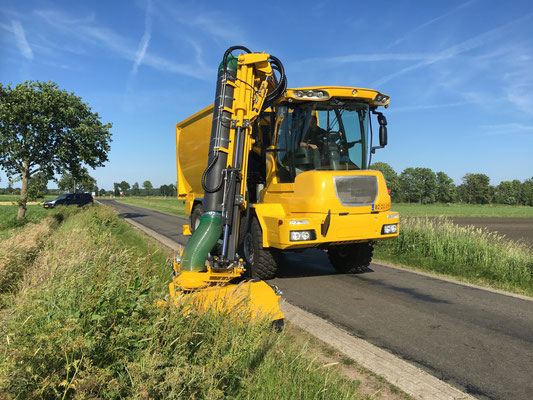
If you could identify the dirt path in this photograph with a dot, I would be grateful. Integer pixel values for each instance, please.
(512, 228)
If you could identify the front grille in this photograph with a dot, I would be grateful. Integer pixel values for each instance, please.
(356, 191)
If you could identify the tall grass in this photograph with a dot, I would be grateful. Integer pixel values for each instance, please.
(84, 325)
(470, 252)
(22, 243)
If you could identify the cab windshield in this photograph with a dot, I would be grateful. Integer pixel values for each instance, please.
(321, 136)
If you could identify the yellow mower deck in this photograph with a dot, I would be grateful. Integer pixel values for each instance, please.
(202, 291)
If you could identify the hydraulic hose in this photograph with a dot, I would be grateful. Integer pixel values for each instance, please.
(201, 242)
(208, 232)
(282, 84)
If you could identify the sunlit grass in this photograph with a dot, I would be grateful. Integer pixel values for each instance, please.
(463, 210)
(469, 252)
(82, 324)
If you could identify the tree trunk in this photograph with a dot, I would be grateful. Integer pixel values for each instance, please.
(23, 195)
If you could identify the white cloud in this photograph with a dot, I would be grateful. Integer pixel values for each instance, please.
(428, 106)
(431, 22)
(511, 127)
(457, 49)
(20, 38)
(353, 58)
(98, 35)
(145, 40)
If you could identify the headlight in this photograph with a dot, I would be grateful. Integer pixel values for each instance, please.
(389, 229)
(381, 99)
(301, 236)
(311, 94)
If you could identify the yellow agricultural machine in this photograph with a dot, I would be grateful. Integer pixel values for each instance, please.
(267, 169)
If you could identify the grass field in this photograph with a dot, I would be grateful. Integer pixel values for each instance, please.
(9, 222)
(472, 254)
(463, 210)
(15, 198)
(78, 320)
(169, 205)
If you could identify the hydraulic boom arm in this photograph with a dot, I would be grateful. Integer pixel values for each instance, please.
(245, 84)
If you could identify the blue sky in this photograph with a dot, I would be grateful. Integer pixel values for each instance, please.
(459, 73)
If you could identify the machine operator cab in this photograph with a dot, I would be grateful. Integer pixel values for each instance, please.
(325, 129)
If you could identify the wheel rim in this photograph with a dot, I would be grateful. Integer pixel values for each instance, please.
(343, 251)
(248, 247)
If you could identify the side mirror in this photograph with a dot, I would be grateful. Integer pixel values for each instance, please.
(382, 132)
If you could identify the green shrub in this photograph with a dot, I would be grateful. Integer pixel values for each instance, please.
(440, 245)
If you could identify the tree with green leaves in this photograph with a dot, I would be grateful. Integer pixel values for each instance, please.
(66, 183)
(37, 187)
(147, 185)
(124, 187)
(135, 191)
(167, 190)
(85, 182)
(46, 129)
(475, 189)
(418, 185)
(446, 191)
(391, 177)
(82, 183)
(527, 192)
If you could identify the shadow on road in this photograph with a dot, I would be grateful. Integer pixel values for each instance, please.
(310, 262)
(131, 215)
(415, 294)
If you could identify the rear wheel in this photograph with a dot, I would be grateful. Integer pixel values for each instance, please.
(196, 215)
(351, 258)
(262, 263)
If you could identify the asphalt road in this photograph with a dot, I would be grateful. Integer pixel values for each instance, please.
(478, 341)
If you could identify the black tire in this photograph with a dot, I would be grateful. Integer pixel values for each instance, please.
(261, 263)
(196, 215)
(351, 258)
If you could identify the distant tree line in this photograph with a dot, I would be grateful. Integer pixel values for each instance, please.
(413, 185)
(147, 189)
(423, 186)
(38, 185)
(67, 183)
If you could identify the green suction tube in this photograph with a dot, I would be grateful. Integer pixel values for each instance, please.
(201, 242)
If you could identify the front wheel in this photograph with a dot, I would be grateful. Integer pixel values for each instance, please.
(262, 263)
(351, 258)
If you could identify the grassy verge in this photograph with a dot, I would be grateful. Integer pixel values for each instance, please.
(463, 210)
(83, 324)
(472, 254)
(164, 204)
(8, 218)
